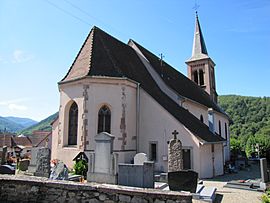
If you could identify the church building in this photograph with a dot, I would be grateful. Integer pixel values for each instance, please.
(127, 91)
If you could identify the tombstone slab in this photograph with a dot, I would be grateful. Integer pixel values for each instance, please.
(33, 162)
(185, 180)
(59, 172)
(3, 155)
(43, 162)
(263, 167)
(23, 164)
(103, 163)
(140, 158)
(136, 175)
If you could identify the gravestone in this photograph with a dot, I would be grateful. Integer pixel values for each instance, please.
(43, 162)
(263, 167)
(3, 157)
(59, 171)
(33, 162)
(103, 163)
(179, 179)
(23, 164)
(185, 180)
(175, 154)
(140, 158)
(139, 174)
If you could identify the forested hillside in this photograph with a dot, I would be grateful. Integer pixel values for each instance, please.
(44, 125)
(251, 121)
(7, 125)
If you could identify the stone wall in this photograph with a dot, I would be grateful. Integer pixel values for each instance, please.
(37, 189)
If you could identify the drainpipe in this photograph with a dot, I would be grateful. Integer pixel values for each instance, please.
(137, 116)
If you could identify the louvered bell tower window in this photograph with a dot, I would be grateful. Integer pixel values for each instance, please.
(104, 120)
(73, 124)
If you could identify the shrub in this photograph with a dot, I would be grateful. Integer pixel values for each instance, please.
(81, 167)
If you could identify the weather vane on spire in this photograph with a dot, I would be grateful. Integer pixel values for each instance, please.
(196, 7)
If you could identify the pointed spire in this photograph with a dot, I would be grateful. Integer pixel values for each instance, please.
(199, 50)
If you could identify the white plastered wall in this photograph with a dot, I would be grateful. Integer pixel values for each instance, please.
(219, 117)
(206, 160)
(197, 110)
(157, 125)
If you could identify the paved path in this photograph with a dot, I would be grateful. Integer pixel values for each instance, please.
(231, 195)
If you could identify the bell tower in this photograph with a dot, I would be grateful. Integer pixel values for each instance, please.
(200, 66)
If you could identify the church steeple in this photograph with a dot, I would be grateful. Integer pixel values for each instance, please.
(199, 48)
(200, 65)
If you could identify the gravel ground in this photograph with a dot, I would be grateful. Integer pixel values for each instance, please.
(231, 195)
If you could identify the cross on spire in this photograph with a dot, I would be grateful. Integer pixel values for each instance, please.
(196, 7)
(175, 133)
(161, 59)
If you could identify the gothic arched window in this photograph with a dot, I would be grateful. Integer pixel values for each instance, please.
(104, 120)
(195, 74)
(201, 118)
(201, 76)
(73, 124)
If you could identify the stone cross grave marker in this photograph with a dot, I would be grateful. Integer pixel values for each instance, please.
(140, 158)
(175, 154)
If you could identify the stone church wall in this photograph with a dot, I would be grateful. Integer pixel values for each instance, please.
(90, 95)
(34, 189)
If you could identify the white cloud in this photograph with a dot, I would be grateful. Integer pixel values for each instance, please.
(20, 56)
(15, 104)
(15, 107)
(14, 101)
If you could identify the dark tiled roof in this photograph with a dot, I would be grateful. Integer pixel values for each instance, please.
(104, 55)
(6, 140)
(38, 137)
(24, 141)
(178, 82)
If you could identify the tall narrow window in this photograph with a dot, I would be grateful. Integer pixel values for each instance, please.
(73, 124)
(226, 131)
(104, 120)
(219, 127)
(195, 74)
(153, 151)
(201, 118)
(201, 76)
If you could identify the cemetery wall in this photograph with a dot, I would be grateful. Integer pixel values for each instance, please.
(37, 189)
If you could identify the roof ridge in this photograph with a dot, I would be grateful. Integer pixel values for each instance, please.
(213, 105)
(90, 34)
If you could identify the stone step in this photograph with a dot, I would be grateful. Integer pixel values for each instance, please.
(160, 185)
(208, 194)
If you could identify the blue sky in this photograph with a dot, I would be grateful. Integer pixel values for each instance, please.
(40, 39)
